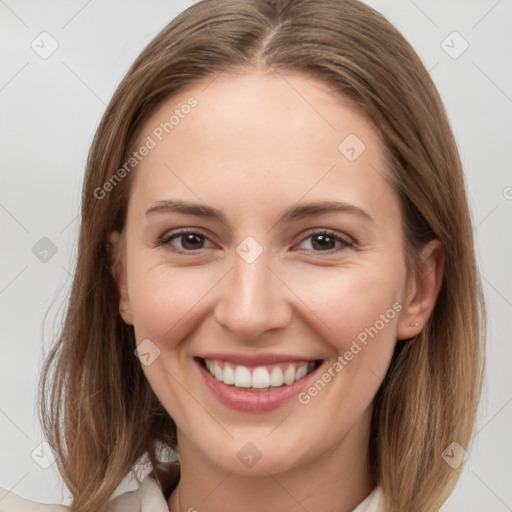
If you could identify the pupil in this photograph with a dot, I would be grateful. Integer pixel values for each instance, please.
(322, 242)
(188, 241)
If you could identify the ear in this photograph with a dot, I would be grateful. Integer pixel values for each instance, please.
(118, 267)
(423, 289)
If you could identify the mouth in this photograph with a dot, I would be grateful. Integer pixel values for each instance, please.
(246, 385)
(258, 378)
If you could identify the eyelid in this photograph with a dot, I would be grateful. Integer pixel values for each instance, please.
(345, 240)
(165, 240)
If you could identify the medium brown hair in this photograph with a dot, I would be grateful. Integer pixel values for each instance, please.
(97, 408)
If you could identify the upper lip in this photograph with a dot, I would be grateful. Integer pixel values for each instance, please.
(255, 359)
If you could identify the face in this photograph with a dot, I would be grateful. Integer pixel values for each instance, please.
(263, 241)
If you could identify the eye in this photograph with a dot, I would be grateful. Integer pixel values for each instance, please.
(188, 240)
(184, 241)
(322, 241)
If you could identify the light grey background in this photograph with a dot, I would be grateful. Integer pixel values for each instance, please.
(50, 110)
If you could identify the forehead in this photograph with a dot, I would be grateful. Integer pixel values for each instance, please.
(260, 138)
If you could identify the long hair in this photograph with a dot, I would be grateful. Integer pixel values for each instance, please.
(97, 408)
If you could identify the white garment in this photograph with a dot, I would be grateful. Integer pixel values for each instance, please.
(146, 497)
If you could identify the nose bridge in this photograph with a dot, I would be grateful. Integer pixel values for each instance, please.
(252, 300)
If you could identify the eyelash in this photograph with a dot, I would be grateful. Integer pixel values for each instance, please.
(165, 241)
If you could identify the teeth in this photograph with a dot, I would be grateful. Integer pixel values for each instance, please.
(217, 372)
(260, 377)
(276, 377)
(228, 375)
(242, 377)
(301, 372)
(289, 375)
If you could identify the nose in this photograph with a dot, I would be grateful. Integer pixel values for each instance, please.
(253, 299)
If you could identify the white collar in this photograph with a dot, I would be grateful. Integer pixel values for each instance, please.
(147, 496)
(136, 494)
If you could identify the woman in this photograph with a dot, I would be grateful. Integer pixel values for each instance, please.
(275, 278)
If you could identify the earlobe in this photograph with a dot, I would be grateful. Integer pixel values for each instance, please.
(424, 287)
(118, 268)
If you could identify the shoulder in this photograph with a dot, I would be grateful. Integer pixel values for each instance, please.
(147, 496)
(138, 495)
(374, 502)
(10, 502)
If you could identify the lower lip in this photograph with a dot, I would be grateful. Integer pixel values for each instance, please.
(253, 401)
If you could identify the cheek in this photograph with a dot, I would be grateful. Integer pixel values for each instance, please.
(357, 302)
(166, 304)
(164, 299)
(356, 310)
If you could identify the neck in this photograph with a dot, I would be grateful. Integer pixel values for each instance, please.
(338, 480)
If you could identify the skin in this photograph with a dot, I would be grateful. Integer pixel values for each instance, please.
(252, 147)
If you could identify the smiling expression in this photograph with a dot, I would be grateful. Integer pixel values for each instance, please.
(292, 249)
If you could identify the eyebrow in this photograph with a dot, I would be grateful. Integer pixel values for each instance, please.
(293, 213)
